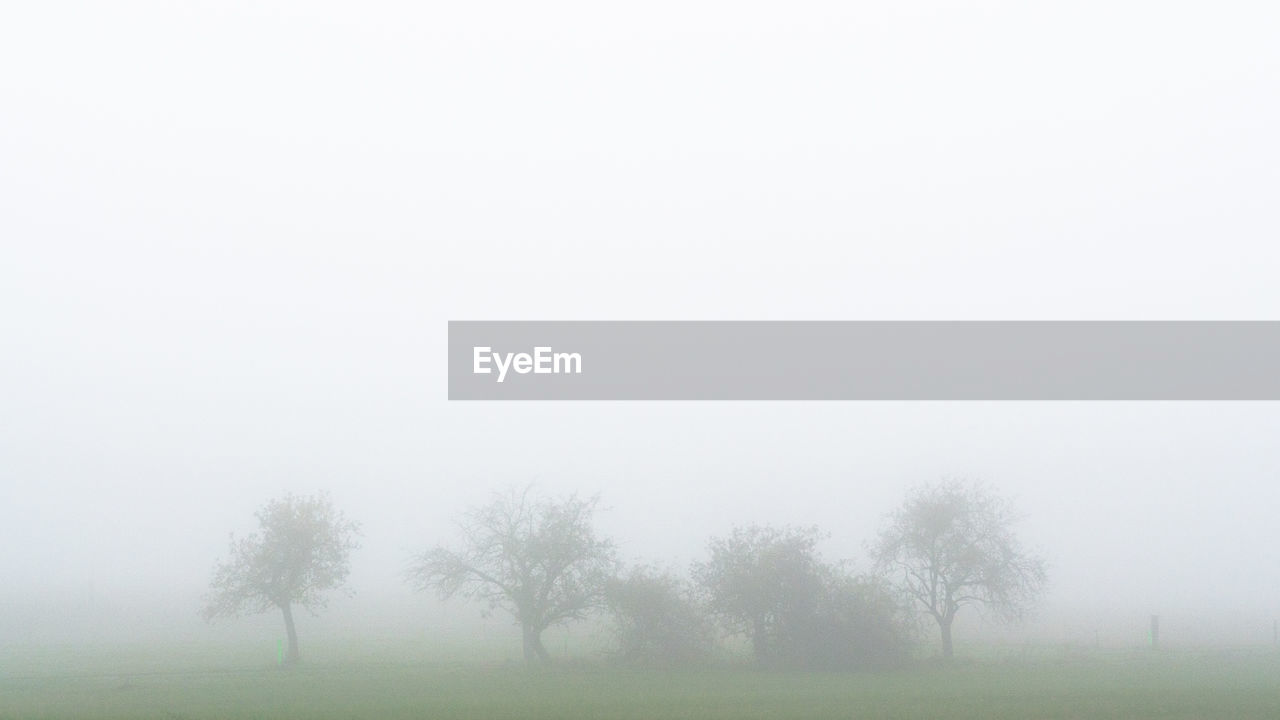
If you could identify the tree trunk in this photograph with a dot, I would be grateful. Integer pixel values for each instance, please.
(759, 642)
(292, 657)
(533, 650)
(541, 649)
(945, 624)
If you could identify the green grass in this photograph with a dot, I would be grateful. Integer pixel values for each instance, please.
(1116, 685)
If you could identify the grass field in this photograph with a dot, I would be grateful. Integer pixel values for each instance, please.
(1208, 684)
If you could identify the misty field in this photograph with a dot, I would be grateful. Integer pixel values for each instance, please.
(1054, 684)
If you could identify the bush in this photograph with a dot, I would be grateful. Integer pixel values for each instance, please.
(855, 624)
(657, 619)
(770, 585)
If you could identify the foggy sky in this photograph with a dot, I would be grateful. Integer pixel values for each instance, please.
(231, 235)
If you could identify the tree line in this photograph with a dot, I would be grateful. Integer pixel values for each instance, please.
(540, 559)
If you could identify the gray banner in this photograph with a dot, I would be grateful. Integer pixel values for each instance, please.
(668, 360)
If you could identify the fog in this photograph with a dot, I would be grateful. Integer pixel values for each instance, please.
(231, 235)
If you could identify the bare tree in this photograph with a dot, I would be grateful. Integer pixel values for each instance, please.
(538, 559)
(953, 546)
(300, 551)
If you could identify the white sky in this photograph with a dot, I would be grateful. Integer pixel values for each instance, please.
(231, 235)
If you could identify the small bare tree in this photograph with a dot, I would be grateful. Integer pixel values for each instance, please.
(538, 559)
(953, 545)
(300, 551)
